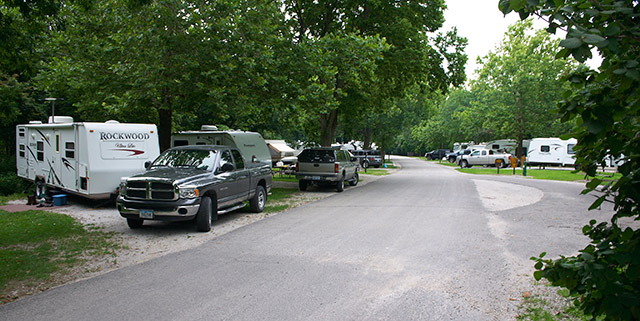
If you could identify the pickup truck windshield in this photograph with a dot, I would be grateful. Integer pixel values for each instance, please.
(316, 156)
(200, 159)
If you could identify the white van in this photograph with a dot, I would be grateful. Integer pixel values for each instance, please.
(86, 159)
(551, 151)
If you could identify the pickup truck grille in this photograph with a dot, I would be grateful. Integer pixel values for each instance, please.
(150, 190)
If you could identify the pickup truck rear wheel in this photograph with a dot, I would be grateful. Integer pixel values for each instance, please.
(134, 223)
(203, 218)
(340, 185)
(302, 184)
(355, 180)
(258, 200)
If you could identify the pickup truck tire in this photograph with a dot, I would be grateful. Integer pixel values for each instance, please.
(134, 223)
(203, 218)
(302, 184)
(464, 164)
(365, 164)
(258, 200)
(340, 185)
(355, 180)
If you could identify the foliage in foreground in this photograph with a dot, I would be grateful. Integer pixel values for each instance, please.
(604, 278)
(35, 245)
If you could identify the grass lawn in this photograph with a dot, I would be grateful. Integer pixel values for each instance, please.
(36, 245)
(374, 172)
(548, 174)
(12, 197)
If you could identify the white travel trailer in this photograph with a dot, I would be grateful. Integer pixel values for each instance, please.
(250, 143)
(508, 145)
(281, 152)
(551, 151)
(86, 159)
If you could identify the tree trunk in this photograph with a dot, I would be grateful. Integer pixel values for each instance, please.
(367, 138)
(328, 125)
(165, 116)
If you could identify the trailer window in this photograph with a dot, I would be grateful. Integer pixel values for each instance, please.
(545, 148)
(21, 152)
(70, 150)
(21, 132)
(570, 148)
(40, 151)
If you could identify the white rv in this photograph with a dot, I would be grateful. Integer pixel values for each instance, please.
(507, 145)
(251, 144)
(86, 159)
(551, 151)
(281, 152)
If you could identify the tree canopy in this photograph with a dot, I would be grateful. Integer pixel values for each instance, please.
(605, 277)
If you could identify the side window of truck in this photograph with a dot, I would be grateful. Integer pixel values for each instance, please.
(239, 161)
(226, 158)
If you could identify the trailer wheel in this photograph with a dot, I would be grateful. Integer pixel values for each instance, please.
(302, 184)
(258, 200)
(203, 218)
(134, 223)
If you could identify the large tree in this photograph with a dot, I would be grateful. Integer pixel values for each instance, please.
(519, 84)
(389, 46)
(174, 63)
(605, 277)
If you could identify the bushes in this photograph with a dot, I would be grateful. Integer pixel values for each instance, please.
(10, 183)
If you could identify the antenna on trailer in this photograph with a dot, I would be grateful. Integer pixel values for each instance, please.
(53, 107)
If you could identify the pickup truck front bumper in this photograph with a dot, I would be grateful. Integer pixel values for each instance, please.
(179, 210)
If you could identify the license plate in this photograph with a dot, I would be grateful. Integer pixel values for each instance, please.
(146, 214)
(315, 178)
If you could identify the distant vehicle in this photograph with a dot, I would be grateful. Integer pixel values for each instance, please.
(437, 154)
(368, 157)
(485, 157)
(551, 151)
(326, 166)
(507, 145)
(194, 183)
(84, 158)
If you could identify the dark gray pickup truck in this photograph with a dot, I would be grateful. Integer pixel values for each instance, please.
(194, 183)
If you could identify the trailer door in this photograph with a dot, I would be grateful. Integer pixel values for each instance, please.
(22, 153)
(66, 151)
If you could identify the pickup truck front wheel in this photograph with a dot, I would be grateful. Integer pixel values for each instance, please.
(464, 164)
(258, 200)
(134, 223)
(203, 218)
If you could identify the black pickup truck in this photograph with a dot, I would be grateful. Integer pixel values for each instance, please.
(194, 183)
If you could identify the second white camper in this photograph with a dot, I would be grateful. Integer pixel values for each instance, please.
(551, 151)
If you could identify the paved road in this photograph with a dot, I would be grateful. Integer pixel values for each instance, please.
(426, 243)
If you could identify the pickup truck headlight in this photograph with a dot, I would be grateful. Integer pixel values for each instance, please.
(188, 192)
(123, 187)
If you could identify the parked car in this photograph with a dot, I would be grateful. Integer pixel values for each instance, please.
(326, 166)
(194, 183)
(368, 157)
(453, 156)
(485, 157)
(437, 154)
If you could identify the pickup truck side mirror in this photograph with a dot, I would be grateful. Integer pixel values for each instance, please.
(147, 164)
